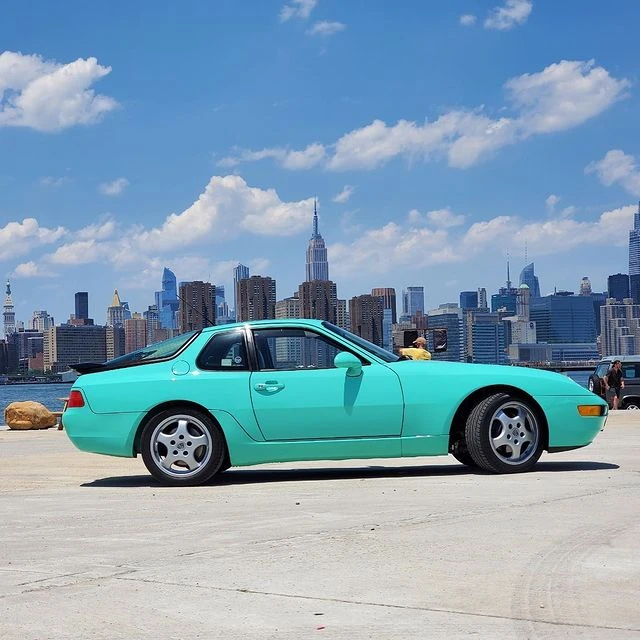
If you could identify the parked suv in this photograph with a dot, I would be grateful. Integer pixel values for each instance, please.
(630, 395)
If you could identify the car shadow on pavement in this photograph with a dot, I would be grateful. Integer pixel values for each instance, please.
(258, 476)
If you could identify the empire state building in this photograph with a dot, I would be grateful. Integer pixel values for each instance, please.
(317, 265)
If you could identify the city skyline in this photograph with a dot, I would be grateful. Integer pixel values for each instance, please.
(475, 134)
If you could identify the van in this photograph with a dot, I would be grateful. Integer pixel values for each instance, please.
(630, 395)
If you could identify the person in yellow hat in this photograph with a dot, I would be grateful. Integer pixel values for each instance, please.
(418, 351)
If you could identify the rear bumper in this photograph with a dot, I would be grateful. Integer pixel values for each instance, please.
(111, 434)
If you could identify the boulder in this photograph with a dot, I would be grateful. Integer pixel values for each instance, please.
(29, 415)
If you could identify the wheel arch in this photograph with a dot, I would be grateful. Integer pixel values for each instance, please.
(630, 399)
(457, 427)
(183, 404)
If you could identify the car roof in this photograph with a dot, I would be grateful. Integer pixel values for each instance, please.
(286, 322)
(633, 358)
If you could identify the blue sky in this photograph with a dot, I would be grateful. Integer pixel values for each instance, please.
(438, 137)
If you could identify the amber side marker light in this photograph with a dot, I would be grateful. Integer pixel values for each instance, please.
(590, 410)
(75, 400)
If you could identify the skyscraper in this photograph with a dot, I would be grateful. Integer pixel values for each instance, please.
(468, 300)
(115, 312)
(167, 300)
(256, 298)
(241, 272)
(388, 295)
(412, 301)
(618, 286)
(319, 300)
(197, 306)
(528, 277)
(82, 305)
(9, 315)
(317, 267)
(41, 320)
(585, 286)
(367, 313)
(634, 245)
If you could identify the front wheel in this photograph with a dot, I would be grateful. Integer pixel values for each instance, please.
(182, 447)
(504, 434)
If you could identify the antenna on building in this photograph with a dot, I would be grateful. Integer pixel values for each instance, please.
(508, 276)
(315, 215)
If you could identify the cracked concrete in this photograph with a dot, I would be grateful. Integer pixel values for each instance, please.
(421, 548)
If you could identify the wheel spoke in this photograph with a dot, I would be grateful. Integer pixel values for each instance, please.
(182, 429)
(168, 460)
(166, 439)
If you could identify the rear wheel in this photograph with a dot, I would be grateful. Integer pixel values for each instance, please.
(631, 405)
(182, 447)
(504, 434)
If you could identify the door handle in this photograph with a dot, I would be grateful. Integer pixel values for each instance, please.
(269, 385)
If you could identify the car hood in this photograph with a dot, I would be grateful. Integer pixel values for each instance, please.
(475, 376)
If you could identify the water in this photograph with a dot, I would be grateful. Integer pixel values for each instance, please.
(46, 394)
(581, 377)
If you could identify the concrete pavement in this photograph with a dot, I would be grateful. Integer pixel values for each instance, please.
(91, 547)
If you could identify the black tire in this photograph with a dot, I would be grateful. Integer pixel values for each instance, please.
(182, 447)
(595, 385)
(504, 434)
(461, 453)
(630, 404)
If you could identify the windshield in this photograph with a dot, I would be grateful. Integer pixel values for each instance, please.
(377, 351)
(157, 351)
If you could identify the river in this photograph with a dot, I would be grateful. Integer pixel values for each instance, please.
(47, 394)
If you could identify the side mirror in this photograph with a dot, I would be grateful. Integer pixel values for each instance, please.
(346, 360)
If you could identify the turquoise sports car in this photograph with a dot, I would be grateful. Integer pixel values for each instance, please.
(283, 390)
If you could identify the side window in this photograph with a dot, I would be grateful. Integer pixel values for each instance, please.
(286, 349)
(602, 369)
(224, 351)
(629, 371)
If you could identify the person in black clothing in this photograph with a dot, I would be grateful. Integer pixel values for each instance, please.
(613, 380)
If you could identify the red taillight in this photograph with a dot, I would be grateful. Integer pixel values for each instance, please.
(75, 399)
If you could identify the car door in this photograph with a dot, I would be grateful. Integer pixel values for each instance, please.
(298, 393)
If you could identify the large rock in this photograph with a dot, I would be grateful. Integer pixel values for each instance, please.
(29, 415)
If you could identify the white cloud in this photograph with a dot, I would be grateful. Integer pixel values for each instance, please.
(97, 231)
(562, 96)
(445, 218)
(551, 236)
(442, 218)
(300, 9)
(467, 20)
(17, 238)
(391, 246)
(617, 167)
(32, 270)
(326, 28)
(49, 96)
(114, 188)
(79, 252)
(551, 202)
(345, 194)
(513, 13)
(305, 159)
(53, 182)
(228, 207)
